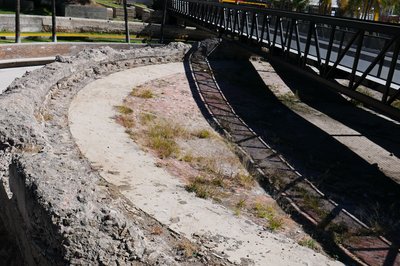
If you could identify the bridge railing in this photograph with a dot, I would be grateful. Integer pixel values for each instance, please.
(356, 52)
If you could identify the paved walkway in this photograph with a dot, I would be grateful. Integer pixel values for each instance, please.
(152, 189)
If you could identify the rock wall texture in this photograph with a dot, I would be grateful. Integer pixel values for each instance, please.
(54, 204)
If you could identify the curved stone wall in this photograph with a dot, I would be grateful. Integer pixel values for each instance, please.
(57, 207)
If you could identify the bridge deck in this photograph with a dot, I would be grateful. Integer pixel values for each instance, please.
(365, 53)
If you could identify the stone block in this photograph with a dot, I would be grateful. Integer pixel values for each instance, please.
(79, 11)
(119, 13)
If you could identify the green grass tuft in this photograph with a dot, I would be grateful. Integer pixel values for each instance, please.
(308, 242)
(203, 134)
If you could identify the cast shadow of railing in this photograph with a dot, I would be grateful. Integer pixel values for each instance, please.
(339, 192)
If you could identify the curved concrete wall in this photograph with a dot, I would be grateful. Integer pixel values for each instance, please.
(55, 205)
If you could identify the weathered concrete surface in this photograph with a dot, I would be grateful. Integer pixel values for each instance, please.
(8, 75)
(51, 199)
(81, 11)
(157, 192)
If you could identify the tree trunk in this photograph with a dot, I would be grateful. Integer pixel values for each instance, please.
(127, 36)
(53, 21)
(17, 21)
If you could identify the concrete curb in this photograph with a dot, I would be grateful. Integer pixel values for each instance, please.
(26, 62)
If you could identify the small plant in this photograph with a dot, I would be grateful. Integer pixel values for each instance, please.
(146, 118)
(274, 223)
(125, 121)
(187, 248)
(131, 134)
(200, 187)
(123, 109)
(167, 130)
(47, 117)
(161, 137)
(206, 188)
(218, 181)
(244, 180)
(31, 148)
(238, 211)
(156, 230)
(241, 204)
(289, 99)
(187, 158)
(340, 231)
(312, 202)
(142, 93)
(396, 104)
(263, 211)
(309, 243)
(164, 147)
(203, 134)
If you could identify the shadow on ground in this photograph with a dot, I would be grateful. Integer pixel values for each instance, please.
(343, 176)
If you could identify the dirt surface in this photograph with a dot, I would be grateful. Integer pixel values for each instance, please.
(207, 158)
(334, 150)
(138, 174)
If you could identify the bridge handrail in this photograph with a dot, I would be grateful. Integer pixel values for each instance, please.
(375, 26)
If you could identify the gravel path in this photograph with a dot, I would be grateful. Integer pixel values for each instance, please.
(121, 162)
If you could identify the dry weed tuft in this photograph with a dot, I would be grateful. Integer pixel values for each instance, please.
(244, 180)
(156, 230)
(142, 93)
(161, 137)
(187, 248)
(206, 188)
(309, 243)
(125, 121)
(146, 118)
(275, 222)
(202, 134)
(123, 109)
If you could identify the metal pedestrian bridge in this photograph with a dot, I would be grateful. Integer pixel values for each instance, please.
(343, 53)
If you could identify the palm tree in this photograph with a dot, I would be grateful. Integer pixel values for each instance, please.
(300, 5)
(325, 7)
(388, 6)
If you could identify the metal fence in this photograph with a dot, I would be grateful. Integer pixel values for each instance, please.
(358, 52)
